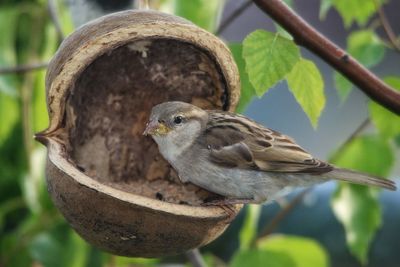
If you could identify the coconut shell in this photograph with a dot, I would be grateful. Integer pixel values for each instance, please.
(108, 180)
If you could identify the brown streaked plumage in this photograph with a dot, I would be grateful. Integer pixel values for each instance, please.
(255, 147)
(236, 157)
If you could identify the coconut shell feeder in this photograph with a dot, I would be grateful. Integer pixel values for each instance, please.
(108, 180)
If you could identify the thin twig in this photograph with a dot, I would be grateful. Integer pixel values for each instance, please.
(376, 23)
(52, 7)
(235, 14)
(364, 124)
(195, 258)
(270, 227)
(386, 26)
(23, 68)
(306, 36)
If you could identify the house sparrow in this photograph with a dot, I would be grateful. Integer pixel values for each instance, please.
(235, 157)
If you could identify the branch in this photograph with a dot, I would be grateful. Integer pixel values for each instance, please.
(195, 258)
(306, 36)
(386, 27)
(235, 14)
(23, 68)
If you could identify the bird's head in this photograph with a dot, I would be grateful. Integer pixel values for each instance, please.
(175, 125)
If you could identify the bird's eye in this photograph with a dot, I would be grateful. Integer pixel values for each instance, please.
(178, 119)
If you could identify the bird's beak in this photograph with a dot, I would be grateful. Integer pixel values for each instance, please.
(156, 128)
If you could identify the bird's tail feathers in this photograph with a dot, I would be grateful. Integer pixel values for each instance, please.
(361, 178)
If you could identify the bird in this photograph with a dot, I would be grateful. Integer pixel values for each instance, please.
(235, 157)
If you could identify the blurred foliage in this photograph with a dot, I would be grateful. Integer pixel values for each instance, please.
(357, 207)
(387, 123)
(25, 208)
(366, 47)
(355, 10)
(248, 233)
(343, 86)
(33, 233)
(203, 13)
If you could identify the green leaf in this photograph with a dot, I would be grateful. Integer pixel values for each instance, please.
(269, 57)
(204, 13)
(96, 257)
(357, 207)
(306, 84)
(33, 182)
(9, 114)
(210, 260)
(282, 250)
(397, 140)
(249, 229)
(39, 110)
(304, 252)
(48, 251)
(8, 18)
(9, 103)
(30, 26)
(387, 123)
(261, 258)
(343, 86)
(355, 10)
(13, 163)
(366, 47)
(247, 91)
(324, 8)
(369, 154)
(79, 250)
(12, 253)
(393, 81)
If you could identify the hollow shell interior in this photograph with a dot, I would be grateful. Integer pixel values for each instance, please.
(107, 110)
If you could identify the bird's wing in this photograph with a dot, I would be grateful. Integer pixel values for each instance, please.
(236, 141)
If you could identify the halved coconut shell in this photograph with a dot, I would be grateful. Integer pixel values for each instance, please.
(107, 179)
